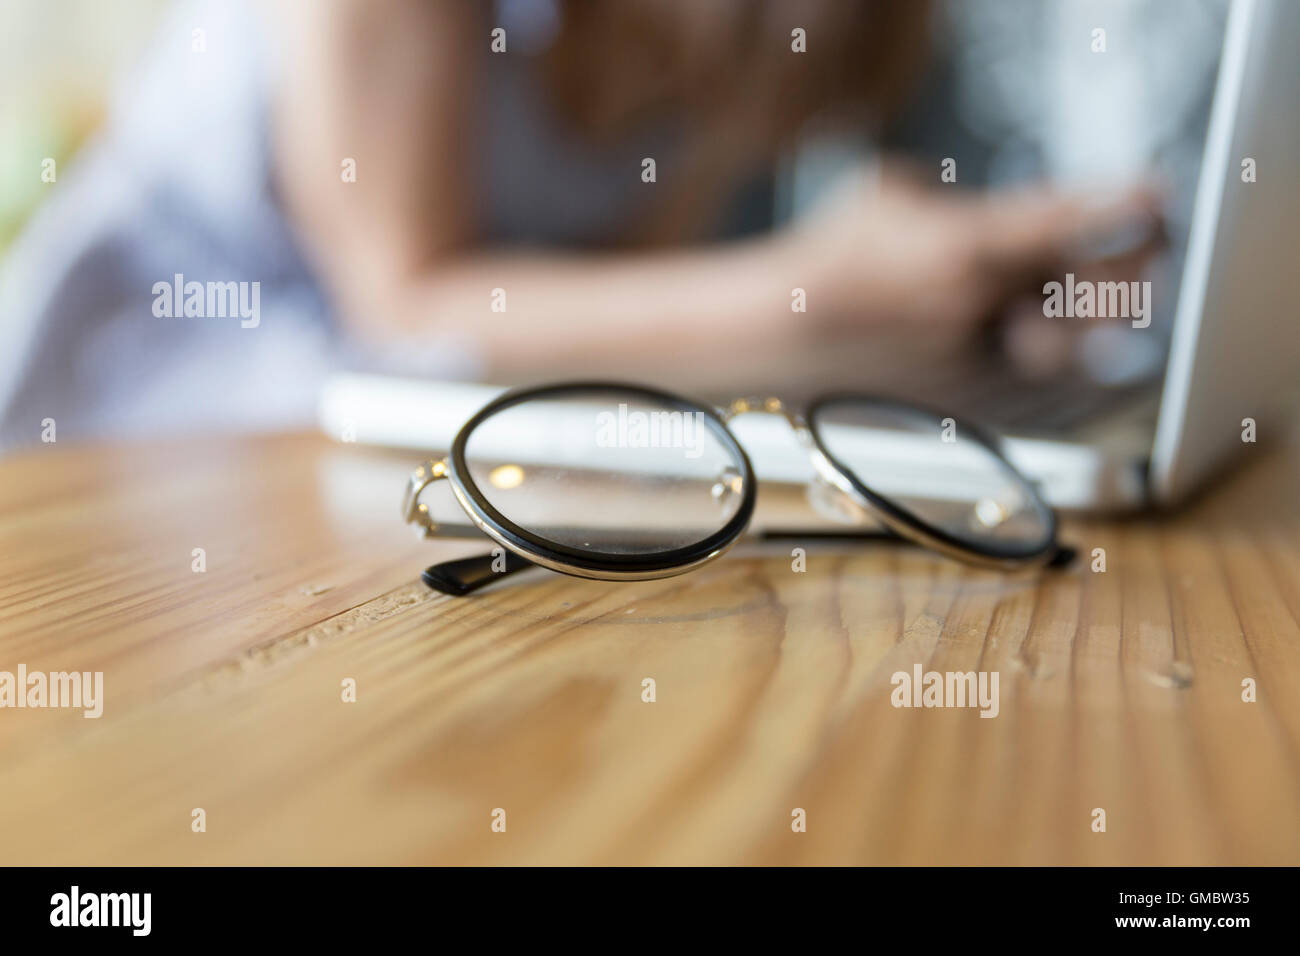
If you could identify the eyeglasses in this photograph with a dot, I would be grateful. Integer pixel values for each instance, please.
(622, 482)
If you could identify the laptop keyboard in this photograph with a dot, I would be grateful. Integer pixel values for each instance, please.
(994, 395)
(1054, 407)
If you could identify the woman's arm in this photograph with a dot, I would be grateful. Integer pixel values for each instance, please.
(392, 85)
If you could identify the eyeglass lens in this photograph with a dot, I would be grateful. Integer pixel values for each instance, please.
(926, 464)
(607, 471)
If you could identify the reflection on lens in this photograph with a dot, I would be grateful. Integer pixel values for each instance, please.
(607, 471)
(506, 476)
(924, 464)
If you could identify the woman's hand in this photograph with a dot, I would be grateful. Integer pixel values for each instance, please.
(882, 248)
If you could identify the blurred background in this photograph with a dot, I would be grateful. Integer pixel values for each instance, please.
(500, 223)
(57, 61)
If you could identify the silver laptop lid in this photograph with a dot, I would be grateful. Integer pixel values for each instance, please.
(1235, 351)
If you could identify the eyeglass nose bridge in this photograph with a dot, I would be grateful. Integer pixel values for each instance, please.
(769, 405)
(829, 492)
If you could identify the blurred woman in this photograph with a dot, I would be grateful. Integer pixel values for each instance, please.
(517, 190)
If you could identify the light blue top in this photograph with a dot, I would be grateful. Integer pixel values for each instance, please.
(180, 182)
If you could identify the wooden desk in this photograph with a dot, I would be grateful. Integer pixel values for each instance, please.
(1119, 690)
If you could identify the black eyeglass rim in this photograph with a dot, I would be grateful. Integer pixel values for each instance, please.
(992, 550)
(596, 561)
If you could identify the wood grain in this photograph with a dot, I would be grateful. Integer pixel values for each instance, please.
(1119, 690)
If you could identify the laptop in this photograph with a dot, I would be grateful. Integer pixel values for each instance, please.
(1233, 356)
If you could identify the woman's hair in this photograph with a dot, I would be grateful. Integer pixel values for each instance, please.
(615, 61)
(731, 67)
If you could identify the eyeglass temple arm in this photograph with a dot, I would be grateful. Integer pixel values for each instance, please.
(1062, 554)
(467, 575)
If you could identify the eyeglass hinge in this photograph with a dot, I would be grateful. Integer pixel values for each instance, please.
(413, 512)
